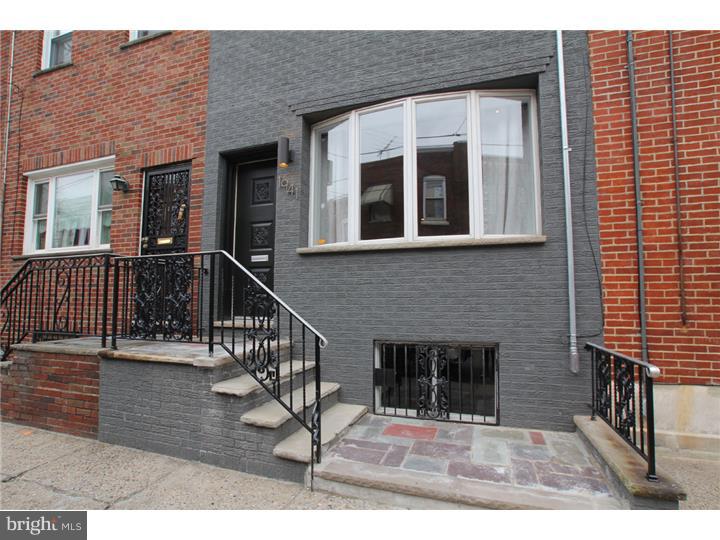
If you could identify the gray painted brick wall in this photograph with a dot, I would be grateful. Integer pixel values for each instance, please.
(267, 84)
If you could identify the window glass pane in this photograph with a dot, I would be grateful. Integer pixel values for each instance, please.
(508, 170)
(441, 140)
(381, 174)
(105, 222)
(105, 198)
(41, 199)
(60, 49)
(144, 33)
(39, 230)
(331, 185)
(73, 201)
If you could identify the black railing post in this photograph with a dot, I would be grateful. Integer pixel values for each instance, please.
(593, 367)
(106, 280)
(317, 422)
(116, 290)
(651, 474)
(211, 312)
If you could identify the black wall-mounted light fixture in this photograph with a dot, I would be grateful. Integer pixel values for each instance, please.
(284, 153)
(119, 183)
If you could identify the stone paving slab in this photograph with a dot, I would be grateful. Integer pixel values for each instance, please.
(542, 460)
(56, 471)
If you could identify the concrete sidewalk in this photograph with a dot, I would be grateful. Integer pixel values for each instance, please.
(45, 470)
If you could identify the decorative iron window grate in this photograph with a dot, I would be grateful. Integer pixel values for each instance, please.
(437, 381)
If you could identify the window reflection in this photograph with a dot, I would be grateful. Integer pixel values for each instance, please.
(442, 167)
(381, 174)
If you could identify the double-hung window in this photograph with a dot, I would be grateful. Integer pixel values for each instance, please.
(57, 48)
(459, 165)
(69, 208)
(139, 34)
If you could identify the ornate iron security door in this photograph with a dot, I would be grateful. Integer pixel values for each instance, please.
(438, 381)
(165, 215)
(162, 287)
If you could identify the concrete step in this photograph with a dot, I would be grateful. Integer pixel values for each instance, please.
(403, 488)
(335, 421)
(273, 415)
(239, 323)
(246, 384)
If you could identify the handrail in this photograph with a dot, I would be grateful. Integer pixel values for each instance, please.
(54, 298)
(652, 370)
(622, 396)
(323, 340)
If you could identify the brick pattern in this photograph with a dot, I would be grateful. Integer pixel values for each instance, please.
(146, 104)
(687, 354)
(52, 391)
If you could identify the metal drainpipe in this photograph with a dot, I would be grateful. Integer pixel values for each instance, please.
(638, 199)
(7, 138)
(676, 161)
(574, 356)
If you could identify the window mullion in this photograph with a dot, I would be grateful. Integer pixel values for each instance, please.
(94, 209)
(50, 228)
(410, 183)
(475, 156)
(353, 180)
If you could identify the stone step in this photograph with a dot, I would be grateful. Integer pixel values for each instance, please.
(335, 421)
(400, 487)
(245, 384)
(273, 415)
(239, 323)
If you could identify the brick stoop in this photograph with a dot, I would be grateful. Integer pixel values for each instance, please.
(52, 390)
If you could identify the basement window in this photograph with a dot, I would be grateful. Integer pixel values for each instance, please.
(69, 208)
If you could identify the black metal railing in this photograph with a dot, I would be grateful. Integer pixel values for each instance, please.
(55, 298)
(208, 297)
(622, 395)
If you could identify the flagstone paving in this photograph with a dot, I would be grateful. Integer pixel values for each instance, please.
(548, 460)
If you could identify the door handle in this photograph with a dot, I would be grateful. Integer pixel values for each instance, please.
(181, 212)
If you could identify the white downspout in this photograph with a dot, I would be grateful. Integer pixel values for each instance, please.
(574, 357)
(7, 137)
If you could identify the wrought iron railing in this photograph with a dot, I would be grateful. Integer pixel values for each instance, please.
(622, 395)
(54, 298)
(208, 297)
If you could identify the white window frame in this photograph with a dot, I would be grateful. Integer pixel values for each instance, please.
(48, 37)
(410, 184)
(50, 176)
(135, 34)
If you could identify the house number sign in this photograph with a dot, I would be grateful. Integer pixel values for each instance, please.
(291, 187)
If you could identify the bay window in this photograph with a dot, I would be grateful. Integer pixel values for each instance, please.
(459, 165)
(69, 208)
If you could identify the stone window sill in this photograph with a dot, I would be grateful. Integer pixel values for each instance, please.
(51, 69)
(58, 254)
(138, 41)
(425, 244)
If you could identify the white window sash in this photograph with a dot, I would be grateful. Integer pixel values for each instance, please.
(410, 181)
(50, 177)
(48, 37)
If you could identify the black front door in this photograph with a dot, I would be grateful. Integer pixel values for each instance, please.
(254, 234)
(165, 212)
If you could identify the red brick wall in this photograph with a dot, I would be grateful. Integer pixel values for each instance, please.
(688, 354)
(52, 391)
(146, 104)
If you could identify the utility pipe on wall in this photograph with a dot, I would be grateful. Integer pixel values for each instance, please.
(574, 357)
(7, 137)
(638, 199)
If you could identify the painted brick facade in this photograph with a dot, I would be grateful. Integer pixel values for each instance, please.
(688, 354)
(53, 391)
(144, 103)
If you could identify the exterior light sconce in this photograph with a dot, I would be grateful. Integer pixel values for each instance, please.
(284, 153)
(119, 184)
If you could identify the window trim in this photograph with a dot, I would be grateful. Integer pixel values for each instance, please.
(48, 37)
(50, 175)
(410, 184)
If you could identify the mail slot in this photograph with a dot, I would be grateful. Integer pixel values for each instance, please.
(166, 241)
(259, 258)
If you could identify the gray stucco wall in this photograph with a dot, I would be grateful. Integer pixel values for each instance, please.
(264, 85)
